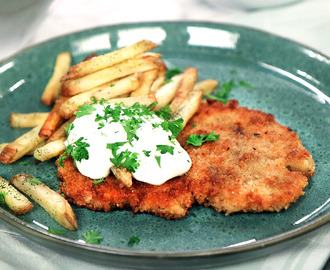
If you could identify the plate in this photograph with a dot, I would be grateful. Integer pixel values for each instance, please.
(291, 81)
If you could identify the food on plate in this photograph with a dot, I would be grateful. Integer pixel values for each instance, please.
(256, 165)
(27, 120)
(130, 136)
(15, 200)
(53, 88)
(55, 205)
(21, 146)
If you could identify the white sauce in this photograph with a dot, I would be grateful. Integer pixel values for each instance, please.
(98, 164)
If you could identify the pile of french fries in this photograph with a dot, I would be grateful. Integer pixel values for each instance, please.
(127, 75)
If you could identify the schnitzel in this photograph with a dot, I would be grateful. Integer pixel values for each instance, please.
(256, 165)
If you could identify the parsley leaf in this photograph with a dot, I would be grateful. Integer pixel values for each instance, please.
(199, 139)
(92, 237)
(68, 128)
(172, 72)
(146, 153)
(98, 181)
(85, 109)
(165, 149)
(78, 151)
(133, 240)
(26, 163)
(158, 160)
(3, 198)
(57, 231)
(35, 180)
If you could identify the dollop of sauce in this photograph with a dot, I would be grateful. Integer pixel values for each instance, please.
(134, 137)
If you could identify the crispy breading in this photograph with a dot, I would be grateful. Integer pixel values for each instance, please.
(256, 165)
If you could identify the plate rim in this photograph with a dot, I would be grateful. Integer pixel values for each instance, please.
(310, 226)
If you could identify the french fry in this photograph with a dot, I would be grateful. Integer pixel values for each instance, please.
(60, 133)
(21, 146)
(207, 86)
(166, 92)
(189, 79)
(148, 77)
(52, 90)
(106, 91)
(15, 200)
(104, 61)
(27, 120)
(55, 205)
(157, 84)
(189, 107)
(50, 150)
(73, 87)
(130, 101)
(53, 120)
(123, 175)
(30, 153)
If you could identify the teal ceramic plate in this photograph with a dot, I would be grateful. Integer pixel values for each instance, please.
(292, 82)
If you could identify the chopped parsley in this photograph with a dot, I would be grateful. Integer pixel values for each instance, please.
(98, 181)
(165, 149)
(133, 240)
(68, 128)
(57, 231)
(3, 198)
(146, 153)
(92, 237)
(85, 109)
(172, 72)
(34, 180)
(199, 139)
(226, 87)
(77, 150)
(158, 160)
(23, 163)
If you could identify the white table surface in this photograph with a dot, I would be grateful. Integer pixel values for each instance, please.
(307, 22)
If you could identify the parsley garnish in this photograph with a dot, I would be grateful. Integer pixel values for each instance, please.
(172, 72)
(158, 160)
(85, 109)
(26, 163)
(146, 153)
(199, 139)
(133, 240)
(68, 128)
(57, 231)
(77, 150)
(3, 198)
(226, 87)
(98, 181)
(165, 149)
(92, 237)
(35, 180)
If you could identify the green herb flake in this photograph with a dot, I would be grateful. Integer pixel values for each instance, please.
(172, 72)
(3, 198)
(158, 160)
(86, 109)
(57, 231)
(246, 85)
(68, 128)
(34, 180)
(199, 139)
(92, 237)
(165, 149)
(98, 181)
(133, 240)
(23, 163)
(77, 150)
(146, 153)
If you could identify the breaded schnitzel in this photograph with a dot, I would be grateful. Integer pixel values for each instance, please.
(256, 165)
